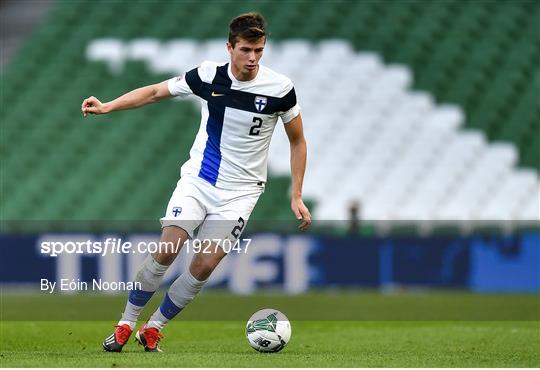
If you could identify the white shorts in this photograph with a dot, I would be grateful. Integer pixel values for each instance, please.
(222, 214)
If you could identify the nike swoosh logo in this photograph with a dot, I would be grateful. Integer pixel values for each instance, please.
(215, 94)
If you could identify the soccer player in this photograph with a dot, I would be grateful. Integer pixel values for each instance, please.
(225, 174)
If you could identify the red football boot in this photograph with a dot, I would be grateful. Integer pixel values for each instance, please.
(117, 340)
(149, 338)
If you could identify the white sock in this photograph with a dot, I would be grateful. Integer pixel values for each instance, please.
(130, 315)
(131, 324)
(150, 276)
(181, 292)
(157, 320)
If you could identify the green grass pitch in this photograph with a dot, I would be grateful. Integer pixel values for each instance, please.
(369, 334)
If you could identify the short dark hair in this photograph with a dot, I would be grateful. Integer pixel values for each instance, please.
(248, 26)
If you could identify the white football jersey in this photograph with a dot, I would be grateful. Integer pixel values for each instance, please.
(237, 122)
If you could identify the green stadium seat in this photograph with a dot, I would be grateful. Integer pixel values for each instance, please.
(482, 55)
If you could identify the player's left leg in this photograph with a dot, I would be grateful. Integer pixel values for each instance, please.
(226, 224)
(179, 295)
(149, 276)
(185, 212)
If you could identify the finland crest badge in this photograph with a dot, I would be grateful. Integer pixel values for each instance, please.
(260, 103)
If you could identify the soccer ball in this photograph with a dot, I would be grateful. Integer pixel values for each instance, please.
(268, 330)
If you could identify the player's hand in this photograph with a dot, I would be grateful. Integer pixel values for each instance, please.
(92, 105)
(301, 212)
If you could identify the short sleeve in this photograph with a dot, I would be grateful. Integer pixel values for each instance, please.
(178, 86)
(289, 107)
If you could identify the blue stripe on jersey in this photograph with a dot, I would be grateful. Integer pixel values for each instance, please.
(214, 127)
(236, 99)
(246, 101)
(194, 81)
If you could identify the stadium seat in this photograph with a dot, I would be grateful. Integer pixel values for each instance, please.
(417, 112)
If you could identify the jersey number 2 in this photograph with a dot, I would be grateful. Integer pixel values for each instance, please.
(256, 129)
(238, 229)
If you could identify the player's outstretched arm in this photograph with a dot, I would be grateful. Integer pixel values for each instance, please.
(133, 99)
(295, 132)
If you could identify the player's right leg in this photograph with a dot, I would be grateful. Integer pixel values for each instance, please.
(184, 214)
(149, 276)
(226, 225)
(179, 295)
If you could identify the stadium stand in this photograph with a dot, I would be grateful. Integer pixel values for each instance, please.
(420, 110)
